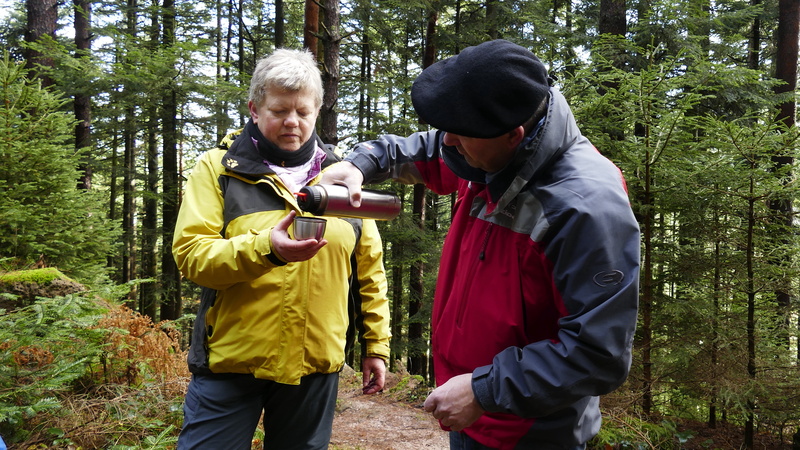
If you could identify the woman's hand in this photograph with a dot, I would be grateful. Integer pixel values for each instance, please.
(374, 377)
(289, 249)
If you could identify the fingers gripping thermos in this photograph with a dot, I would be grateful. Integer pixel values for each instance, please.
(334, 200)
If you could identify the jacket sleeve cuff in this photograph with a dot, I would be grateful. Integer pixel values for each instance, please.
(482, 389)
(378, 350)
(364, 163)
(263, 246)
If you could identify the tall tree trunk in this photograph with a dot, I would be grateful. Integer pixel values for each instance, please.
(787, 56)
(646, 302)
(416, 329)
(128, 186)
(149, 227)
(750, 404)
(429, 55)
(417, 357)
(82, 103)
(754, 44)
(330, 72)
(613, 21)
(785, 70)
(280, 34)
(364, 108)
(113, 261)
(220, 106)
(170, 276)
(492, 20)
(241, 38)
(457, 26)
(311, 29)
(571, 65)
(717, 283)
(129, 170)
(397, 308)
(613, 18)
(42, 20)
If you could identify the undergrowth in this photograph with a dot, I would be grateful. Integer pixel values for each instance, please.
(624, 431)
(80, 372)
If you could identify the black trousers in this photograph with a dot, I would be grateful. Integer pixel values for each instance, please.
(221, 411)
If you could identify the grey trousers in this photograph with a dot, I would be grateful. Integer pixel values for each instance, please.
(221, 411)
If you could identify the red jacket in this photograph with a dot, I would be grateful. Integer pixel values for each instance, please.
(537, 291)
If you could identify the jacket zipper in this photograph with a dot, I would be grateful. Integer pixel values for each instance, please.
(482, 254)
(465, 295)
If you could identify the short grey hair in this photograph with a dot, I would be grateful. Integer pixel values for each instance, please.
(288, 69)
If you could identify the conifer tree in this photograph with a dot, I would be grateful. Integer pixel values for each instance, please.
(43, 215)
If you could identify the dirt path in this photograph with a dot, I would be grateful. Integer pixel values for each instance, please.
(394, 420)
(383, 421)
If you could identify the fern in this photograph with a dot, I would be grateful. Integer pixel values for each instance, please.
(44, 348)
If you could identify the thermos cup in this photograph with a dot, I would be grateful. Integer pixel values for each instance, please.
(309, 228)
(334, 200)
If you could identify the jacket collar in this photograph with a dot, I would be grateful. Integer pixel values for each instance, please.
(558, 132)
(243, 158)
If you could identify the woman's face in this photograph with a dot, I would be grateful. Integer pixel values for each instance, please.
(286, 118)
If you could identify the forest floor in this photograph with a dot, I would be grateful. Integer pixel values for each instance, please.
(395, 420)
(390, 420)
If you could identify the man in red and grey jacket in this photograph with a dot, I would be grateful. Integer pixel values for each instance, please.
(537, 294)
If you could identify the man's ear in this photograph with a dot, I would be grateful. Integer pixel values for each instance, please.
(516, 136)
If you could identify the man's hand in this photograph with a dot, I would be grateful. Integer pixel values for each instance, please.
(346, 174)
(374, 370)
(454, 404)
(289, 249)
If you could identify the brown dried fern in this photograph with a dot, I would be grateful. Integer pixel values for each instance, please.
(135, 343)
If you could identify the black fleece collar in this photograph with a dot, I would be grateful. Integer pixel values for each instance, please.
(247, 157)
(275, 155)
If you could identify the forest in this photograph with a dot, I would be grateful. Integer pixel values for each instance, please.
(107, 104)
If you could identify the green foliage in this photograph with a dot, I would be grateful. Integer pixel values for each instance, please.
(77, 371)
(411, 389)
(697, 142)
(165, 439)
(42, 213)
(626, 432)
(44, 348)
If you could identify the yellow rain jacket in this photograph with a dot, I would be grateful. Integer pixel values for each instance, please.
(279, 321)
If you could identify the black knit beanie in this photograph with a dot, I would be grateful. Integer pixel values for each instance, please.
(482, 92)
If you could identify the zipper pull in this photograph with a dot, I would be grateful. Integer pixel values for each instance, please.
(482, 254)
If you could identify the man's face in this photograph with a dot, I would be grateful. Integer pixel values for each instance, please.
(286, 118)
(490, 155)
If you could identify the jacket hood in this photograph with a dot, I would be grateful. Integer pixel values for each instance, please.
(558, 132)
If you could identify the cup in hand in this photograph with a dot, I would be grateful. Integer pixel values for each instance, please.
(309, 228)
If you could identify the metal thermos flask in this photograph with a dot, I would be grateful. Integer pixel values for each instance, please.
(334, 200)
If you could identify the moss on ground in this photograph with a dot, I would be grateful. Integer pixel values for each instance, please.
(40, 276)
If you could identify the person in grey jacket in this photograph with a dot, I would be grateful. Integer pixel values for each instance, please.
(537, 293)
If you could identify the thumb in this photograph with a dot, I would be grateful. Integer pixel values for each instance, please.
(429, 405)
(355, 194)
(284, 223)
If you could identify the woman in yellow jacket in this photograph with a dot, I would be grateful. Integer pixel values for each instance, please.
(273, 321)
